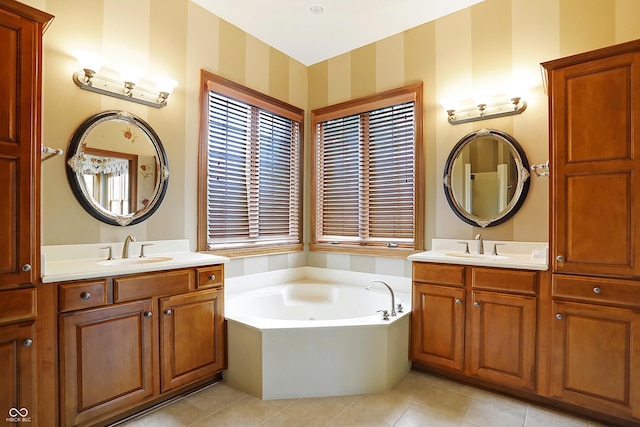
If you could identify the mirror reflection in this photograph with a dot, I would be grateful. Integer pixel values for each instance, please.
(117, 168)
(486, 178)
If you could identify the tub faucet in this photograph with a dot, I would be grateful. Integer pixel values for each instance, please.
(125, 249)
(393, 297)
(480, 243)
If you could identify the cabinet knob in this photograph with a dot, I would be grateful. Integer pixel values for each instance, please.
(212, 277)
(458, 301)
(148, 314)
(560, 258)
(85, 295)
(168, 312)
(476, 304)
(26, 267)
(597, 290)
(559, 316)
(27, 343)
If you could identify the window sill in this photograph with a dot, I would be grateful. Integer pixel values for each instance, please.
(255, 251)
(363, 250)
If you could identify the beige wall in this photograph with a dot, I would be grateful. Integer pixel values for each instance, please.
(471, 50)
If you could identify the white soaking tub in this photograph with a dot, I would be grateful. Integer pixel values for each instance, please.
(310, 339)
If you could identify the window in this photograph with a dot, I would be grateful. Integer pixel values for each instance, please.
(250, 171)
(367, 194)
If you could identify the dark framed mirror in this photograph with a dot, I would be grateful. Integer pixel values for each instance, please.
(486, 178)
(117, 168)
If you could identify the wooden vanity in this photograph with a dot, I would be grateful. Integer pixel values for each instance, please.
(129, 342)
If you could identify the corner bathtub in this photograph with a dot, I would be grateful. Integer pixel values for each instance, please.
(309, 339)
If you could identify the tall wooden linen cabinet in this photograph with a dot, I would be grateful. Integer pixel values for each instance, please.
(21, 29)
(594, 101)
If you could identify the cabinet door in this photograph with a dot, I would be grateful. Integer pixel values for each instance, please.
(595, 167)
(595, 359)
(17, 366)
(191, 337)
(19, 184)
(105, 361)
(437, 325)
(502, 339)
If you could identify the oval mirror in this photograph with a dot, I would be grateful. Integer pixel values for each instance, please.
(117, 168)
(486, 178)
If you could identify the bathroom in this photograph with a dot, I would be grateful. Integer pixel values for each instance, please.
(474, 49)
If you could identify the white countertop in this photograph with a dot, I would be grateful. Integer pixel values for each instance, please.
(62, 263)
(517, 255)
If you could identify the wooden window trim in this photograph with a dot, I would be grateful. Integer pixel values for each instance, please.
(412, 92)
(210, 81)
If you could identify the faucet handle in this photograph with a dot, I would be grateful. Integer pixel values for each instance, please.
(495, 248)
(385, 314)
(466, 247)
(399, 307)
(142, 249)
(110, 257)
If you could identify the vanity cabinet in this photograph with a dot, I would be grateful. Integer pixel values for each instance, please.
(476, 322)
(106, 360)
(595, 237)
(135, 340)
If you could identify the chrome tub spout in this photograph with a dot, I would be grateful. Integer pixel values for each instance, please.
(393, 297)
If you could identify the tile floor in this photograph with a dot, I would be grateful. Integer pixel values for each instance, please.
(418, 400)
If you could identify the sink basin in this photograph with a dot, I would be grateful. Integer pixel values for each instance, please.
(477, 256)
(134, 261)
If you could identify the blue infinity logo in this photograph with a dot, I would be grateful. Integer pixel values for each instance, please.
(15, 412)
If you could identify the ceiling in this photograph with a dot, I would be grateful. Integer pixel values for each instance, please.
(343, 25)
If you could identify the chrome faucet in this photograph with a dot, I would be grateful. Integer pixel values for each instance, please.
(480, 244)
(393, 297)
(125, 249)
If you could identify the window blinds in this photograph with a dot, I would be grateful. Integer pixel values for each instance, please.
(365, 168)
(253, 175)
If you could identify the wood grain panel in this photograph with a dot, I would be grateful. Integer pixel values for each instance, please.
(437, 325)
(438, 273)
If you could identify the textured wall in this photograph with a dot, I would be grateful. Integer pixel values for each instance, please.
(471, 50)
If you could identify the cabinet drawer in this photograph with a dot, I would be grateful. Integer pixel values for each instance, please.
(17, 305)
(209, 277)
(149, 285)
(523, 282)
(77, 296)
(598, 290)
(438, 273)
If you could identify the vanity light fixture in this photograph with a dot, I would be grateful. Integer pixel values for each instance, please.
(125, 88)
(482, 111)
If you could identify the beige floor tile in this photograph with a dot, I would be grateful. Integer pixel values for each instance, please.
(282, 419)
(541, 417)
(501, 400)
(420, 416)
(449, 402)
(215, 397)
(318, 411)
(178, 414)
(488, 414)
(352, 417)
(432, 380)
(386, 407)
(248, 411)
(209, 421)
(411, 385)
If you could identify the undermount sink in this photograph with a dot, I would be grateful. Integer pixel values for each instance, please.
(134, 261)
(477, 256)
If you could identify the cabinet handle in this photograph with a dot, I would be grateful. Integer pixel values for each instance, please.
(458, 301)
(26, 267)
(476, 304)
(559, 316)
(85, 295)
(27, 343)
(212, 277)
(560, 258)
(168, 312)
(148, 314)
(597, 290)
